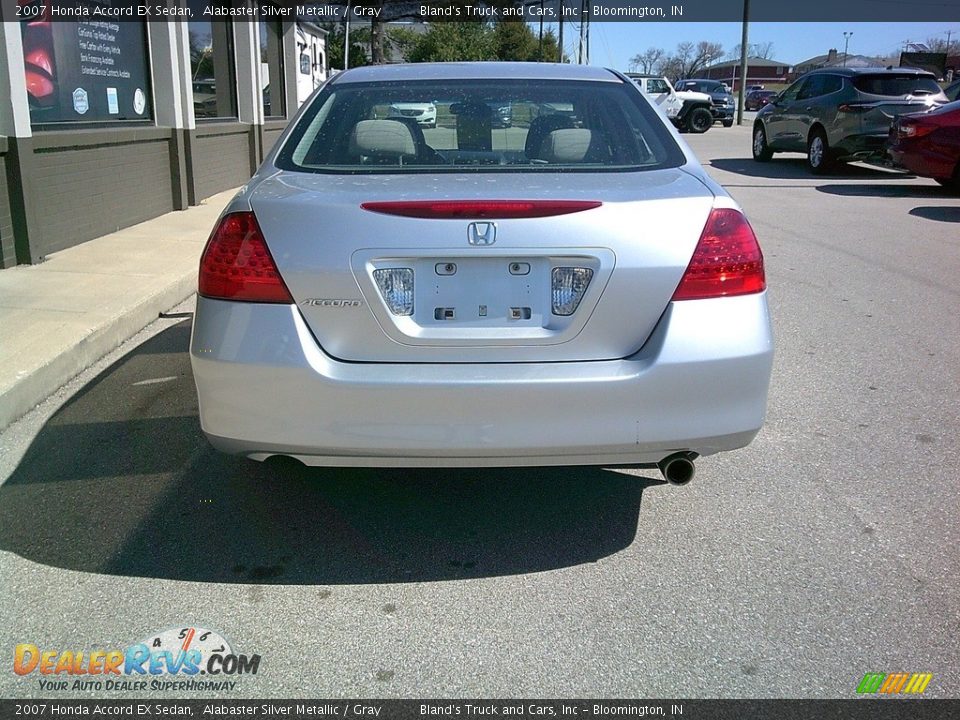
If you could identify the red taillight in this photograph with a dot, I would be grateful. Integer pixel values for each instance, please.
(236, 264)
(727, 260)
(915, 129)
(499, 209)
(852, 108)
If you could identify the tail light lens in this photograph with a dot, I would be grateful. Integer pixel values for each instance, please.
(236, 264)
(568, 286)
(852, 108)
(396, 287)
(915, 129)
(727, 260)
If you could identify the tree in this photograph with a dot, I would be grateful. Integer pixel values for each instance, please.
(513, 40)
(454, 41)
(694, 58)
(762, 50)
(403, 39)
(939, 44)
(548, 53)
(647, 61)
(359, 36)
(689, 59)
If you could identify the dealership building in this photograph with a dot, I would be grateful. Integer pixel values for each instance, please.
(104, 124)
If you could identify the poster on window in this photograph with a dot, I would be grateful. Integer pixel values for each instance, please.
(86, 71)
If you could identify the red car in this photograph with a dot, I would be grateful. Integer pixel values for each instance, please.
(928, 144)
(756, 99)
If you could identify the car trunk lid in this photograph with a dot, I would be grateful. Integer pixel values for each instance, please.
(484, 280)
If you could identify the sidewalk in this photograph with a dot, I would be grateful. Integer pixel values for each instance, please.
(59, 317)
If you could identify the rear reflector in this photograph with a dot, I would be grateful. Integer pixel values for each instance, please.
(236, 264)
(498, 209)
(727, 260)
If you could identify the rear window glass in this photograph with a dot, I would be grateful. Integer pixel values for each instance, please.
(896, 85)
(702, 86)
(481, 126)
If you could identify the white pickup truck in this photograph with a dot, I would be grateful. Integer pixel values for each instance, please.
(689, 111)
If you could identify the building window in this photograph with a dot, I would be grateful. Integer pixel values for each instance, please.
(86, 71)
(271, 69)
(212, 64)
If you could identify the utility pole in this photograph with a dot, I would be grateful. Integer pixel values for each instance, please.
(582, 53)
(743, 61)
(846, 45)
(560, 33)
(346, 40)
(540, 51)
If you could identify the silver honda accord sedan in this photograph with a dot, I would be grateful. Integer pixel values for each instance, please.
(572, 289)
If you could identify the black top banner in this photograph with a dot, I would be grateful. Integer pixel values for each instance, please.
(947, 11)
(920, 709)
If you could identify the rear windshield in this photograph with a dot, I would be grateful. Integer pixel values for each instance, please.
(702, 86)
(896, 85)
(480, 126)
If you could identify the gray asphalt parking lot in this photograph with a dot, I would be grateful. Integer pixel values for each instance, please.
(823, 551)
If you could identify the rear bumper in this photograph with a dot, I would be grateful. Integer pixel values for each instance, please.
(864, 146)
(920, 159)
(265, 387)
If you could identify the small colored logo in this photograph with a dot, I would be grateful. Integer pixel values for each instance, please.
(894, 684)
(81, 103)
(139, 101)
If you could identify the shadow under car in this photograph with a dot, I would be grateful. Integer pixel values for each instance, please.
(121, 481)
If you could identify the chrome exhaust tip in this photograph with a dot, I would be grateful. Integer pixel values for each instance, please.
(678, 469)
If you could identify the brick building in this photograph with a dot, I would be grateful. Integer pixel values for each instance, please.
(760, 71)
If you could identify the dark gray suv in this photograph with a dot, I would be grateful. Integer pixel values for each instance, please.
(724, 106)
(841, 114)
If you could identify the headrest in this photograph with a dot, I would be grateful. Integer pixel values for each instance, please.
(540, 127)
(384, 138)
(566, 146)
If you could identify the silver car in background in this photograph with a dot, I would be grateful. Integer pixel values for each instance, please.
(572, 289)
(840, 114)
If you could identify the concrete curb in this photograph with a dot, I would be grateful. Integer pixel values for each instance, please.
(60, 317)
(31, 389)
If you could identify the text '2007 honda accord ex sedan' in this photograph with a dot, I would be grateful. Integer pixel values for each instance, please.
(572, 289)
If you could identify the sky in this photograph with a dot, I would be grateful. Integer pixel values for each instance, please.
(612, 44)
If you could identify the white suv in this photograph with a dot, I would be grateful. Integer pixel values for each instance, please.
(688, 110)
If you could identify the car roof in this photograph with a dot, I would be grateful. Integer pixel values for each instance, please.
(849, 72)
(475, 71)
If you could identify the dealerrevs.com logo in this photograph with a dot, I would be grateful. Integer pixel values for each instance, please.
(185, 658)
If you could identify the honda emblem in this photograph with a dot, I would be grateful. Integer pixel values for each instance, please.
(482, 233)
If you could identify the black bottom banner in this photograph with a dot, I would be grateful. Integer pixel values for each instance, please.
(865, 709)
